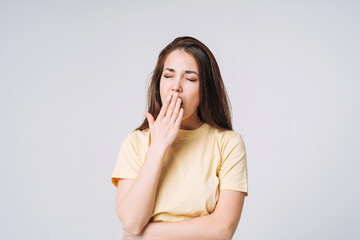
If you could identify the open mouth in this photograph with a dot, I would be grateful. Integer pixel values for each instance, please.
(181, 102)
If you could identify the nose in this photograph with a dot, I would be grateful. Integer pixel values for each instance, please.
(177, 85)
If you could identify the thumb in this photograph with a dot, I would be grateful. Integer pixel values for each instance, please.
(150, 118)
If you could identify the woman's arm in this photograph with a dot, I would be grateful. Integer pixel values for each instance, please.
(207, 227)
(221, 224)
(135, 199)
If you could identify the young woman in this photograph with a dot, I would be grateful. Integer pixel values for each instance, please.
(183, 173)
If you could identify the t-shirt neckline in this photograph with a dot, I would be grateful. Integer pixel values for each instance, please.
(192, 132)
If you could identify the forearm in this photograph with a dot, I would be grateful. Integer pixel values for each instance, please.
(205, 227)
(136, 207)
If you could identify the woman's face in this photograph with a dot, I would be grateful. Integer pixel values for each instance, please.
(181, 74)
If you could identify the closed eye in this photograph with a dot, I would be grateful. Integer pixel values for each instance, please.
(191, 80)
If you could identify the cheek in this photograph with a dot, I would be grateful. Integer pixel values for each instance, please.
(195, 99)
(196, 96)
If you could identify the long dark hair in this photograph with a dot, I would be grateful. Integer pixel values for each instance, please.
(214, 107)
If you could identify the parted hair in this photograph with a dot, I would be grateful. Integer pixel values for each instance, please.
(214, 107)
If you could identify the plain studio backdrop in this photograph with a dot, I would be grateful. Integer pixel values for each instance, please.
(73, 85)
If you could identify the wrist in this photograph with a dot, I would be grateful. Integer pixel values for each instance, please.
(156, 152)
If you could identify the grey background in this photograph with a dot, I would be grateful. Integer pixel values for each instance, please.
(73, 83)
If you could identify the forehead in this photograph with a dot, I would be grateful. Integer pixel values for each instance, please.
(181, 60)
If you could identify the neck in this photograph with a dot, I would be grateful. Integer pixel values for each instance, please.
(190, 124)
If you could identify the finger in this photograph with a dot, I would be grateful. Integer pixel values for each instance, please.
(150, 119)
(176, 110)
(172, 105)
(179, 118)
(164, 107)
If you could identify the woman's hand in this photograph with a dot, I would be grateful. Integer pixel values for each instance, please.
(163, 131)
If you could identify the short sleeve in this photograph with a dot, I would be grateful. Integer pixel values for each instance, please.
(128, 163)
(233, 168)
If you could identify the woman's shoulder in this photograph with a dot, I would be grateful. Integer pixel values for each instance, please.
(139, 137)
(225, 135)
(228, 139)
(140, 133)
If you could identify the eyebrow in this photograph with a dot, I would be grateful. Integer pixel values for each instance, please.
(186, 71)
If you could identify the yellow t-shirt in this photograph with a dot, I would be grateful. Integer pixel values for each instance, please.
(197, 165)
